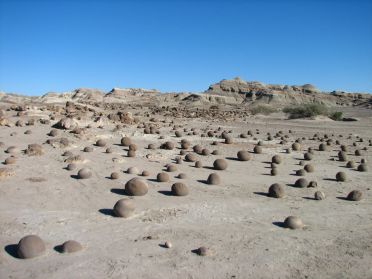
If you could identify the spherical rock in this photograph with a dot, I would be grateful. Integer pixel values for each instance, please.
(124, 208)
(276, 191)
(309, 168)
(350, 164)
(301, 183)
(276, 159)
(10, 161)
(114, 175)
(190, 157)
(354, 195)
(312, 184)
(202, 251)
(145, 173)
(71, 246)
(131, 153)
(180, 189)
(136, 187)
(162, 177)
(84, 173)
(30, 246)
(198, 164)
(308, 156)
(168, 145)
(257, 149)
(71, 166)
(342, 156)
(168, 244)
(300, 172)
(318, 195)
(220, 164)
(341, 176)
(323, 147)
(101, 143)
(296, 146)
(205, 152)
(88, 149)
(362, 167)
(243, 155)
(182, 176)
(126, 141)
(171, 168)
(274, 172)
(132, 170)
(213, 179)
(293, 222)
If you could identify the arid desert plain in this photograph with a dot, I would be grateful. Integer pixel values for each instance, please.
(195, 176)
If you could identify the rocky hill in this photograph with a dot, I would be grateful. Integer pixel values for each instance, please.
(226, 92)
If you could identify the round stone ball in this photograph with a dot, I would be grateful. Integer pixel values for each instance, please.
(151, 146)
(341, 176)
(296, 146)
(114, 175)
(342, 156)
(323, 147)
(243, 155)
(213, 179)
(162, 177)
(171, 168)
(308, 156)
(216, 152)
(88, 149)
(312, 184)
(274, 172)
(71, 246)
(168, 145)
(319, 195)
(30, 246)
(362, 167)
(203, 251)
(182, 176)
(133, 147)
(354, 195)
(198, 164)
(190, 157)
(132, 170)
(197, 148)
(145, 173)
(276, 159)
(309, 168)
(126, 141)
(109, 150)
(228, 140)
(71, 166)
(350, 164)
(301, 183)
(124, 208)
(84, 173)
(101, 143)
(220, 164)
(205, 152)
(293, 222)
(136, 187)
(10, 161)
(179, 189)
(300, 172)
(257, 149)
(276, 191)
(131, 153)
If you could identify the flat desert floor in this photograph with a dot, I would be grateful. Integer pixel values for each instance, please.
(239, 224)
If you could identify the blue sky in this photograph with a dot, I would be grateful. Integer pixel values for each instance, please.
(183, 45)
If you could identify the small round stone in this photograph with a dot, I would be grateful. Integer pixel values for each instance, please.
(354, 195)
(220, 164)
(84, 173)
(341, 176)
(213, 179)
(124, 208)
(202, 251)
(171, 168)
(145, 173)
(132, 170)
(71, 166)
(319, 195)
(126, 141)
(180, 189)
(168, 244)
(101, 143)
(30, 246)
(198, 164)
(162, 177)
(276, 159)
(243, 155)
(300, 172)
(276, 191)
(301, 183)
(293, 222)
(114, 175)
(71, 246)
(257, 149)
(363, 167)
(309, 168)
(136, 187)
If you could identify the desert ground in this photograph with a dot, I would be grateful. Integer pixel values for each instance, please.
(241, 227)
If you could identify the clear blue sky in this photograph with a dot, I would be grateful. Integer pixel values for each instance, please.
(183, 45)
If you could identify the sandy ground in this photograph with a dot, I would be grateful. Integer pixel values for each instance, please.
(235, 220)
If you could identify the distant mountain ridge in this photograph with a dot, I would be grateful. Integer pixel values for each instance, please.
(229, 92)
